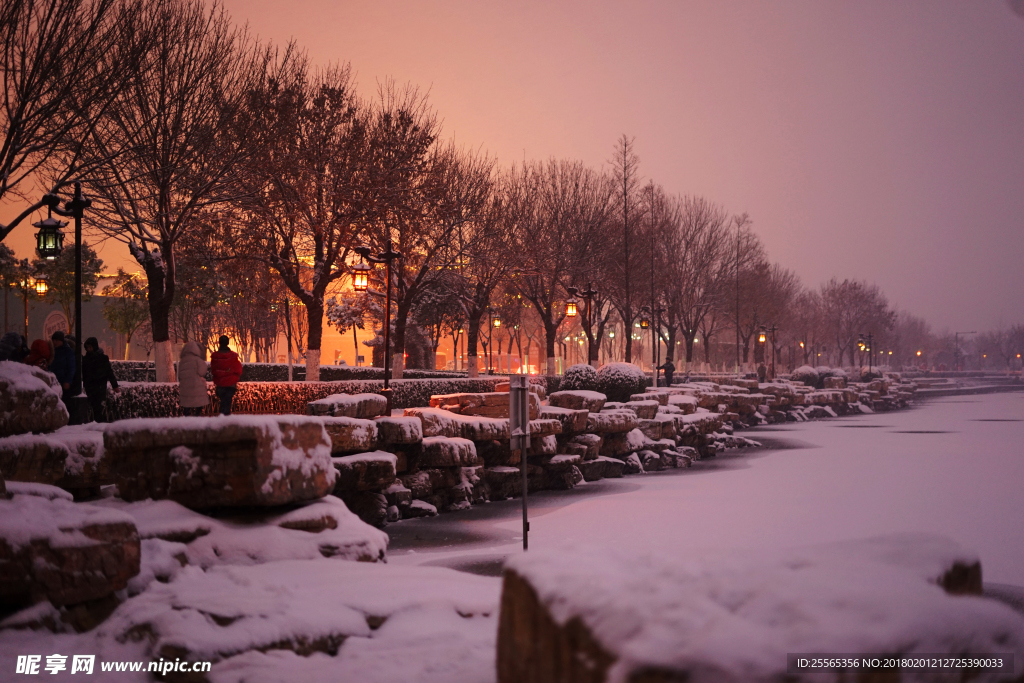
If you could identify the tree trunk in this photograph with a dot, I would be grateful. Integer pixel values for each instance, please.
(707, 349)
(161, 294)
(472, 341)
(314, 337)
(398, 339)
(550, 332)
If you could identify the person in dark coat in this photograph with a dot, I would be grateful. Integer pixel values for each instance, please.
(63, 364)
(226, 369)
(10, 344)
(96, 372)
(669, 371)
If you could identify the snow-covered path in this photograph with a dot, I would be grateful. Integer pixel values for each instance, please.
(952, 466)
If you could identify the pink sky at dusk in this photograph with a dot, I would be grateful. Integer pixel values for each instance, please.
(867, 139)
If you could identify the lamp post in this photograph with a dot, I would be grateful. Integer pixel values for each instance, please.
(867, 341)
(956, 349)
(73, 208)
(772, 329)
(385, 257)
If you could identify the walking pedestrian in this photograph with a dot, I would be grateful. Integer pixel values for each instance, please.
(193, 395)
(96, 373)
(669, 369)
(63, 364)
(226, 370)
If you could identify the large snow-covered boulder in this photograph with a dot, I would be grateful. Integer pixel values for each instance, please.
(33, 457)
(373, 471)
(612, 421)
(29, 400)
(573, 421)
(241, 460)
(350, 434)
(363, 406)
(578, 400)
(399, 430)
(604, 615)
(67, 553)
(490, 404)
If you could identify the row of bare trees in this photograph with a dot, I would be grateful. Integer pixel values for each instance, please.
(241, 177)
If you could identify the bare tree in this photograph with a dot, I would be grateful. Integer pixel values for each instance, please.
(62, 64)
(185, 137)
(626, 173)
(125, 307)
(568, 225)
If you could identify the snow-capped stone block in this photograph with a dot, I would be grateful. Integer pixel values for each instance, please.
(650, 460)
(573, 420)
(350, 434)
(504, 482)
(544, 445)
(534, 387)
(545, 427)
(424, 483)
(29, 400)
(418, 508)
(370, 506)
(243, 460)
(611, 421)
(645, 410)
(651, 429)
(591, 401)
(364, 406)
(364, 472)
(561, 462)
(399, 430)
(601, 468)
(490, 404)
(440, 451)
(686, 404)
(574, 449)
(33, 457)
(599, 614)
(397, 494)
(85, 468)
(64, 552)
(27, 488)
(652, 394)
(440, 422)
(593, 442)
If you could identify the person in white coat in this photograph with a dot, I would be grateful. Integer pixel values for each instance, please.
(193, 393)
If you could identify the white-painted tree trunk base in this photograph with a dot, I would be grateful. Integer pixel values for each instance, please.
(313, 365)
(164, 362)
(397, 365)
(551, 365)
(473, 367)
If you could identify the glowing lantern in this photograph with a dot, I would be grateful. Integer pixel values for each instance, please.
(49, 239)
(570, 307)
(496, 321)
(360, 277)
(761, 337)
(41, 286)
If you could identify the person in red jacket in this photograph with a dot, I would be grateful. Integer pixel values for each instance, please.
(226, 370)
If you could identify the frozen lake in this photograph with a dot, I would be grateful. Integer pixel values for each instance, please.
(952, 466)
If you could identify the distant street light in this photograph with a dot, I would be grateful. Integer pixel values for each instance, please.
(385, 257)
(867, 342)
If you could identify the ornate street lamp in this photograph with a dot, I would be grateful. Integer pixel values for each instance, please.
(49, 239)
(496, 320)
(361, 276)
(41, 285)
(645, 318)
(385, 257)
(762, 337)
(867, 341)
(74, 208)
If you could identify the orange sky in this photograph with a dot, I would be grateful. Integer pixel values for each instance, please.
(868, 139)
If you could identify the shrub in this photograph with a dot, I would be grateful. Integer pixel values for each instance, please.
(579, 377)
(145, 371)
(160, 399)
(807, 375)
(619, 381)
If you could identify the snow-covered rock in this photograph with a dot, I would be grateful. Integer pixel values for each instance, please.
(29, 400)
(573, 420)
(231, 461)
(612, 421)
(33, 457)
(67, 553)
(579, 399)
(603, 615)
(399, 430)
(645, 410)
(365, 471)
(491, 404)
(350, 434)
(440, 451)
(364, 406)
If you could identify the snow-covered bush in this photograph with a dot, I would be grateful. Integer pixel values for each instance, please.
(579, 377)
(145, 371)
(805, 374)
(160, 399)
(866, 374)
(619, 381)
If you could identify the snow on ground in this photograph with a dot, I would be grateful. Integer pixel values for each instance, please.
(938, 468)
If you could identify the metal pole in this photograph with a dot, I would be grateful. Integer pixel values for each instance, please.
(737, 298)
(387, 332)
(519, 431)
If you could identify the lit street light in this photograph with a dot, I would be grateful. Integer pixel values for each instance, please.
(385, 257)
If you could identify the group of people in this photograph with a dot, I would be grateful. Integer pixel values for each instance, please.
(58, 357)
